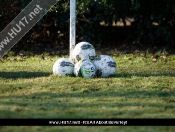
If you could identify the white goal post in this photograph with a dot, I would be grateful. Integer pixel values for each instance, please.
(72, 36)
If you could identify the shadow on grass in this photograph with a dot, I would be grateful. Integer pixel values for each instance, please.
(41, 104)
(129, 75)
(103, 96)
(132, 94)
(26, 74)
(47, 101)
(22, 74)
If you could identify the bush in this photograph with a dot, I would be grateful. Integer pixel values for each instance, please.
(6, 15)
(153, 23)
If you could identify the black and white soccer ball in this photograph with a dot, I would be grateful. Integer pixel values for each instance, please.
(63, 67)
(105, 66)
(85, 69)
(82, 51)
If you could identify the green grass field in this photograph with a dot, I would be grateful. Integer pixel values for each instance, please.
(140, 88)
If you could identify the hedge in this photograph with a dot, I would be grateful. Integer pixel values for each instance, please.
(154, 22)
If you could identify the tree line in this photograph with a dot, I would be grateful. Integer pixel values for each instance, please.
(153, 23)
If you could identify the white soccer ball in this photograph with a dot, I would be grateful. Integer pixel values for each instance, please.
(105, 66)
(63, 67)
(85, 69)
(82, 51)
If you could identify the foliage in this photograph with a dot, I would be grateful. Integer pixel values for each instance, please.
(153, 23)
(154, 20)
(6, 15)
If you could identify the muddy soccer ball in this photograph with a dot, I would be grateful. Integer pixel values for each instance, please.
(105, 66)
(63, 67)
(83, 50)
(85, 69)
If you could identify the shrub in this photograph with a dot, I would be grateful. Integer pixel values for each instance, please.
(153, 23)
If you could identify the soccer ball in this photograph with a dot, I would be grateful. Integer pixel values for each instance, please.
(63, 67)
(82, 51)
(85, 69)
(105, 66)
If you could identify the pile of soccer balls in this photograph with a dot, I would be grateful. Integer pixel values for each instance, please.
(84, 63)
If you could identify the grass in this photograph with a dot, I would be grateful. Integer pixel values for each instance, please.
(139, 89)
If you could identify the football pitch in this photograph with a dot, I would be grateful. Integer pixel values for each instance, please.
(142, 87)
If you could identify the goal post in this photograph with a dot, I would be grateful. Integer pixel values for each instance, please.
(72, 40)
